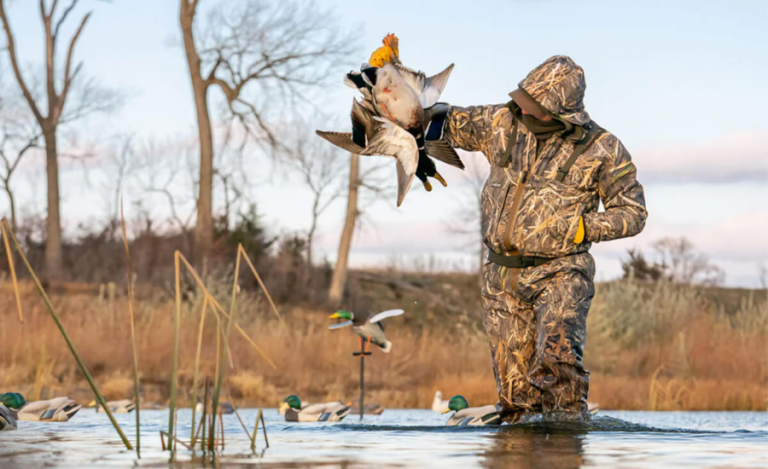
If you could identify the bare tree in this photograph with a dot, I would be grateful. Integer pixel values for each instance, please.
(18, 135)
(168, 170)
(57, 91)
(119, 165)
(320, 167)
(685, 265)
(256, 52)
(763, 275)
(466, 219)
(339, 279)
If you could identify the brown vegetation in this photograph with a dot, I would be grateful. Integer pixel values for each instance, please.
(650, 346)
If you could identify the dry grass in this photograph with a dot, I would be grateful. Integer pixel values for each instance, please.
(661, 347)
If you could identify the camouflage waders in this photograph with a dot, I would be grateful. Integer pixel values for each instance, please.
(535, 315)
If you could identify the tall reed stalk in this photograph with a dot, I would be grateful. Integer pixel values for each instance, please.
(176, 328)
(12, 268)
(225, 339)
(129, 278)
(197, 366)
(99, 398)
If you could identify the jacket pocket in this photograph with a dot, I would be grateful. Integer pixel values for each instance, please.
(551, 219)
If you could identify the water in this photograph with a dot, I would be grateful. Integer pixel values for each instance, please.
(410, 438)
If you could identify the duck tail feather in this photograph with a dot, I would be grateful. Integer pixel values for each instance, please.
(441, 150)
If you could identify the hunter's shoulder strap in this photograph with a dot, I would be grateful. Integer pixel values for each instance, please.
(581, 146)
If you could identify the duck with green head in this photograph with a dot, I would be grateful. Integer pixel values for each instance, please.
(464, 415)
(59, 409)
(296, 412)
(367, 326)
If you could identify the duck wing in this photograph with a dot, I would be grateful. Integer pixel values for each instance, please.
(435, 86)
(415, 79)
(342, 140)
(393, 140)
(443, 151)
(386, 314)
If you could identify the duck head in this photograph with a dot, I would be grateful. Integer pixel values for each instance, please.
(290, 402)
(341, 314)
(12, 400)
(456, 404)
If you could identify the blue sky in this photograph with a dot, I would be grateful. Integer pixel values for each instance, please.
(681, 83)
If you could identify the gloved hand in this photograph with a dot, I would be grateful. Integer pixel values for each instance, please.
(581, 233)
(434, 120)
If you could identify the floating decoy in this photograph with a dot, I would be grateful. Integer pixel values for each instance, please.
(329, 412)
(367, 325)
(438, 404)
(7, 421)
(59, 409)
(122, 406)
(464, 416)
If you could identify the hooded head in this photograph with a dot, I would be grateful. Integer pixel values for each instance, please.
(456, 404)
(290, 402)
(557, 86)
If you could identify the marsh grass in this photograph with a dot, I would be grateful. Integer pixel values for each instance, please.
(638, 335)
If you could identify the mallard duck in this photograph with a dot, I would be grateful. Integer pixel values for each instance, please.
(122, 406)
(59, 409)
(224, 407)
(329, 412)
(367, 325)
(7, 421)
(438, 404)
(464, 416)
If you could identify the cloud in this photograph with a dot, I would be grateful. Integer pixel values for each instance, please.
(737, 157)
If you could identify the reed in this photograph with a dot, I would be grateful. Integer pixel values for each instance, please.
(12, 268)
(175, 369)
(195, 381)
(87, 374)
(225, 339)
(129, 280)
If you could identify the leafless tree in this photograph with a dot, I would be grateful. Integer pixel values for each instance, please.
(366, 186)
(258, 53)
(168, 170)
(59, 89)
(339, 279)
(19, 134)
(320, 167)
(119, 165)
(466, 218)
(763, 275)
(685, 265)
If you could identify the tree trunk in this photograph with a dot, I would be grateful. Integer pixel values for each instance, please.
(339, 279)
(12, 204)
(204, 224)
(53, 265)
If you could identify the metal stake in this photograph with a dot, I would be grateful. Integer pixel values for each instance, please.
(362, 353)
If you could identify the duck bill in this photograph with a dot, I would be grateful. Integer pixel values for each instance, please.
(445, 411)
(334, 316)
(283, 407)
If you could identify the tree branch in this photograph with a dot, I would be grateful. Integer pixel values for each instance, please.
(15, 65)
(67, 76)
(63, 16)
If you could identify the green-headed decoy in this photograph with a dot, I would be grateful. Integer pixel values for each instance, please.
(367, 325)
(464, 415)
(328, 412)
(59, 409)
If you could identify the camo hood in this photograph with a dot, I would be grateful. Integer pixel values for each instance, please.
(558, 85)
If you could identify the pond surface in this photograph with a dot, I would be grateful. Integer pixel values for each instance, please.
(409, 438)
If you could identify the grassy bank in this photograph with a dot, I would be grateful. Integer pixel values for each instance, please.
(659, 346)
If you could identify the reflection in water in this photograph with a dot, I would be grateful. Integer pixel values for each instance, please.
(534, 446)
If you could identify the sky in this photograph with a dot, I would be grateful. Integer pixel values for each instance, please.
(682, 84)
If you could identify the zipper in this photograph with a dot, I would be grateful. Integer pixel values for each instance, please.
(517, 200)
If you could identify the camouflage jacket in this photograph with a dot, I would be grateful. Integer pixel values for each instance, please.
(548, 217)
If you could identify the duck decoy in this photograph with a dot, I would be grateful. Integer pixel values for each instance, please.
(329, 412)
(464, 416)
(367, 326)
